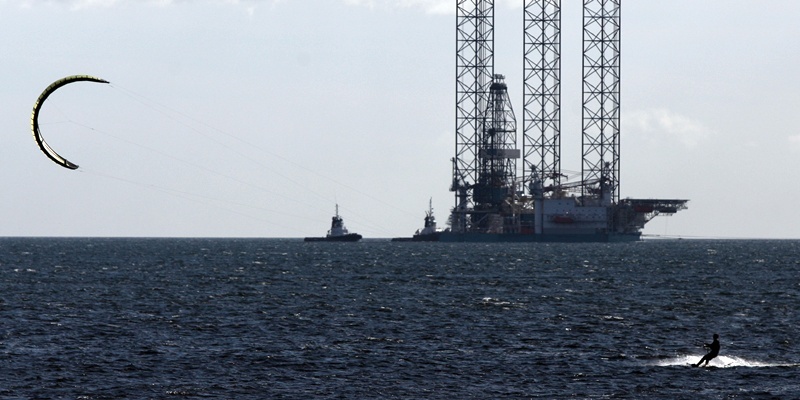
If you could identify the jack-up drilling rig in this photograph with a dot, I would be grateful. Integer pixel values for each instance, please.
(495, 203)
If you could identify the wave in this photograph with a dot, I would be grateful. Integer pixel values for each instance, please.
(722, 362)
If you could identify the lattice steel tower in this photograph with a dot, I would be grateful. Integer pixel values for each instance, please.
(601, 99)
(474, 71)
(541, 140)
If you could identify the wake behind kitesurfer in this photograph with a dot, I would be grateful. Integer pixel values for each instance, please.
(712, 352)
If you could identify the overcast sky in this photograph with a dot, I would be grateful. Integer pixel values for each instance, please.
(254, 118)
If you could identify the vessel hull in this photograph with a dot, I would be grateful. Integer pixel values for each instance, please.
(431, 237)
(351, 237)
(552, 238)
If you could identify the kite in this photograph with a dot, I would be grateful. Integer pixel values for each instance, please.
(37, 135)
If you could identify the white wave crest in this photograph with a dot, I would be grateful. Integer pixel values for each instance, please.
(720, 362)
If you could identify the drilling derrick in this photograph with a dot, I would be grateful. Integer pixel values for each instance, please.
(494, 192)
(601, 100)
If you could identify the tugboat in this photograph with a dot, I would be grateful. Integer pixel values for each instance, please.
(429, 233)
(337, 233)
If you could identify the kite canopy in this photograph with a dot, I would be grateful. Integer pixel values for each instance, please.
(37, 135)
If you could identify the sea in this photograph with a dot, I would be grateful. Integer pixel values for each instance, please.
(129, 318)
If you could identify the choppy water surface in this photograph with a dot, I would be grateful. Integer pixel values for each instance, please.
(213, 318)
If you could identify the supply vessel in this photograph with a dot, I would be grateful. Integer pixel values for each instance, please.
(429, 231)
(337, 233)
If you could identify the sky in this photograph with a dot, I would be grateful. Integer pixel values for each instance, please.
(242, 118)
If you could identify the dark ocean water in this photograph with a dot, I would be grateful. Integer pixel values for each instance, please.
(257, 319)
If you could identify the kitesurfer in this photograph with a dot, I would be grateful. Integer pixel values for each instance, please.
(713, 351)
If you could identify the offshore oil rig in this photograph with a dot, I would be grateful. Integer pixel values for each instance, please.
(499, 199)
